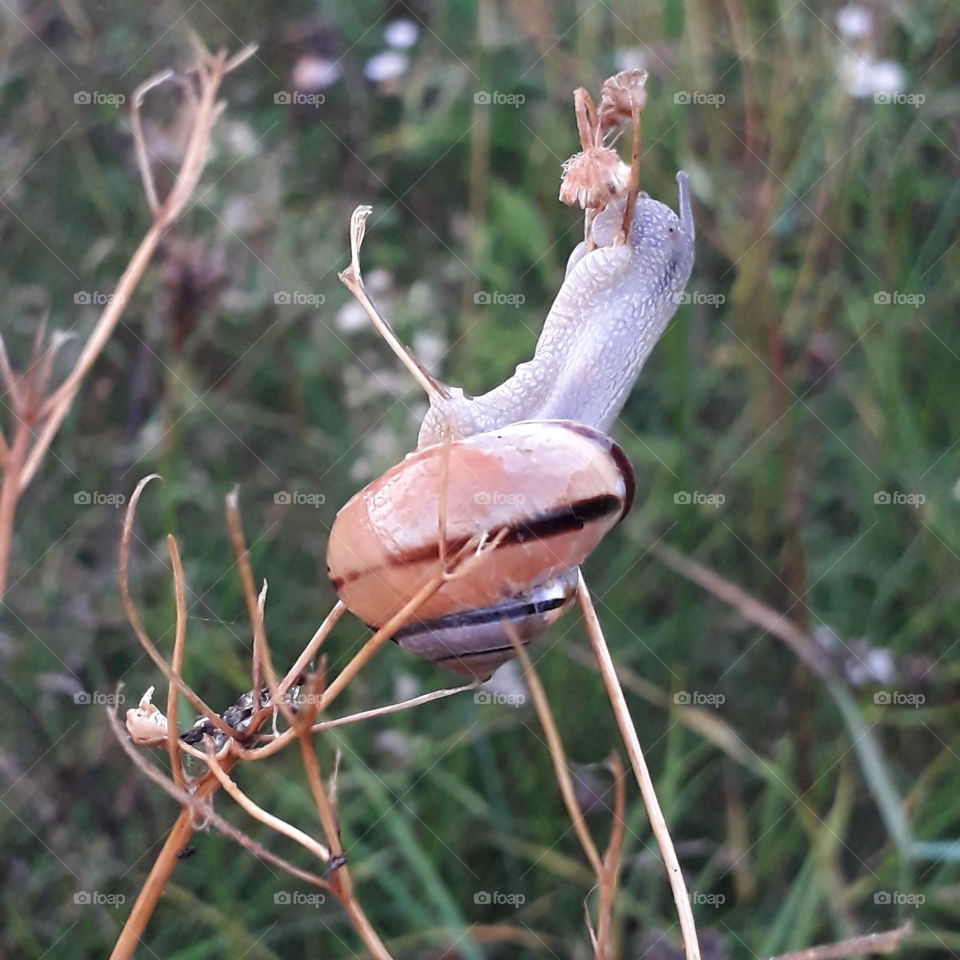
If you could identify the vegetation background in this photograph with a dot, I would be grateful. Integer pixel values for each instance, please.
(795, 431)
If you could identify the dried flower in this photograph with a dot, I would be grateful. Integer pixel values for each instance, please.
(593, 178)
(621, 96)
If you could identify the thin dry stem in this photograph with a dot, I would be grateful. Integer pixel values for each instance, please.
(444, 481)
(176, 661)
(606, 879)
(588, 125)
(210, 72)
(152, 889)
(10, 491)
(323, 802)
(561, 767)
(310, 650)
(140, 142)
(606, 870)
(265, 817)
(198, 808)
(261, 649)
(610, 876)
(629, 734)
(217, 776)
(393, 707)
(255, 660)
(472, 552)
(326, 809)
(588, 129)
(8, 378)
(466, 559)
(352, 279)
(366, 652)
(131, 611)
(885, 942)
(634, 187)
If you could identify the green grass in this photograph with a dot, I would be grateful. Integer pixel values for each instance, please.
(799, 398)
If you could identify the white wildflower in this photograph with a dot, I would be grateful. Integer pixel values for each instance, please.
(401, 33)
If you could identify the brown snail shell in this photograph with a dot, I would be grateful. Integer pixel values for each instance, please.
(550, 488)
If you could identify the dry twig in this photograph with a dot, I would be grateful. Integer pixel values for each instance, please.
(885, 942)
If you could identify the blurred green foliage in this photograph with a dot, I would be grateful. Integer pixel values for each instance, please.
(812, 377)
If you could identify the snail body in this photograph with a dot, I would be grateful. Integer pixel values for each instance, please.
(527, 465)
(613, 306)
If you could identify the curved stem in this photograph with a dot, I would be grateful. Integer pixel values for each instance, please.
(352, 279)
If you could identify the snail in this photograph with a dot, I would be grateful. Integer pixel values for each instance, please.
(542, 493)
(528, 462)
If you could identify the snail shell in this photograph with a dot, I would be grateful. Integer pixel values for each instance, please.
(554, 486)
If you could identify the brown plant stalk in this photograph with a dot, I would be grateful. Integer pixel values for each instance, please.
(36, 416)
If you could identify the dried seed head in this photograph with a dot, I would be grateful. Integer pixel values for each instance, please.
(593, 178)
(146, 724)
(620, 96)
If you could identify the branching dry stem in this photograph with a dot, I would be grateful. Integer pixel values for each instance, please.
(237, 747)
(35, 419)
